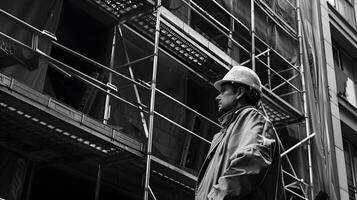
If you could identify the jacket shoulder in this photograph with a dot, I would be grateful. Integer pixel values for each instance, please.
(252, 115)
(250, 110)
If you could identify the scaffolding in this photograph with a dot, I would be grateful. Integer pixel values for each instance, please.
(167, 33)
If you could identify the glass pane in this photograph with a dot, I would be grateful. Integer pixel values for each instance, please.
(336, 57)
(346, 75)
(351, 92)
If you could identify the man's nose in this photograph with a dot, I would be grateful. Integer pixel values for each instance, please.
(219, 97)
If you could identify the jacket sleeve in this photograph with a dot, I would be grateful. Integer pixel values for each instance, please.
(250, 151)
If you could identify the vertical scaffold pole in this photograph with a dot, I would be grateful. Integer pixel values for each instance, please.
(231, 31)
(307, 124)
(97, 185)
(152, 100)
(30, 183)
(110, 79)
(252, 29)
(269, 67)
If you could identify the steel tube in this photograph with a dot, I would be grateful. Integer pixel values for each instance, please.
(79, 75)
(187, 107)
(288, 160)
(30, 183)
(132, 62)
(287, 94)
(296, 194)
(152, 193)
(171, 56)
(97, 185)
(298, 144)
(257, 56)
(192, 110)
(59, 45)
(280, 76)
(269, 71)
(95, 63)
(252, 29)
(287, 80)
(142, 117)
(152, 100)
(16, 20)
(279, 55)
(234, 41)
(307, 124)
(110, 79)
(189, 2)
(298, 180)
(183, 128)
(230, 14)
(288, 29)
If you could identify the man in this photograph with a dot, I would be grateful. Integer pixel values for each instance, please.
(243, 162)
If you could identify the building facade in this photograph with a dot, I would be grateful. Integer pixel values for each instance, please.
(338, 17)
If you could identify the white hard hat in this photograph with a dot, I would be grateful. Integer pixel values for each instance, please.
(242, 75)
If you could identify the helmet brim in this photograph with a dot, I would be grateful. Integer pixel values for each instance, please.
(218, 84)
(241, 75)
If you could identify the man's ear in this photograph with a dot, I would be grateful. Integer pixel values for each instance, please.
(240, 92)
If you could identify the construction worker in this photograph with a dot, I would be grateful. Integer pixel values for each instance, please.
(243, 162)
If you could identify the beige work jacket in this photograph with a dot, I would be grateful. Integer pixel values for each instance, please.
(243, 162)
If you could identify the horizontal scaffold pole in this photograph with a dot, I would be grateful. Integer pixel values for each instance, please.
(298, 144)
(134, 62)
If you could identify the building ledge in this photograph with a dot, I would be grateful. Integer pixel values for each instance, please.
(53, 120)
(339, 23)
(348, 113)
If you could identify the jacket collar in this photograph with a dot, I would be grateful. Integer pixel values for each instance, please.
(225, 121)
(227, 117)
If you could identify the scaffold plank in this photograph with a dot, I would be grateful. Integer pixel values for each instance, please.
(123, 9)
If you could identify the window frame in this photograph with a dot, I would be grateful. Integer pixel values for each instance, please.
(349, 149)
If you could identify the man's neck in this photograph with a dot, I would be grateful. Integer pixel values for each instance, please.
(226, 116)
(241, 104)
(238, 105)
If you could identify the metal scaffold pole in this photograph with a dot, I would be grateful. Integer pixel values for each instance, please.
(269, 71)
(252, 33)
(152, 102)
(307, 124)
(110, 79)
(97, 185)
(136, 90)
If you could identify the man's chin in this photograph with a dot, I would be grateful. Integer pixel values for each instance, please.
(221, 110)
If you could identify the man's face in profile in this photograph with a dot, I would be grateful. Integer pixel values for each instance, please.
(227, 98)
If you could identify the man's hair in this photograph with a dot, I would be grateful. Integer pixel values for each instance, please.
(251, 96)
